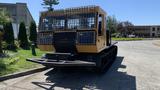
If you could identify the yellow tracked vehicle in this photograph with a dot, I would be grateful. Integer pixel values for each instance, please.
(75, 37)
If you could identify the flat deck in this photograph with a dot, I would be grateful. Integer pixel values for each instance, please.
(61, 63)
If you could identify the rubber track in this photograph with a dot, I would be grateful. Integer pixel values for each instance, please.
(107, 57)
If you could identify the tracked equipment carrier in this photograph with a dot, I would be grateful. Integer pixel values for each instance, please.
(75, 37)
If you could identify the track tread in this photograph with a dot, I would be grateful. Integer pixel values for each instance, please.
(107, 57)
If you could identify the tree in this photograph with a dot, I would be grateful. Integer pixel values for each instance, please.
(1, 34)
(4, 17)
(49, 4)
(123, 28)
(9, 35)
(22, 36)
(112, 24)
(33, 32)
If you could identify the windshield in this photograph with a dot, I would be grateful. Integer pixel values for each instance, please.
(76, 21)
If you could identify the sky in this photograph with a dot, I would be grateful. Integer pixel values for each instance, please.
(139, 12)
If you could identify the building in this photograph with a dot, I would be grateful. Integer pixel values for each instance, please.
(150, 31)
(18, 12)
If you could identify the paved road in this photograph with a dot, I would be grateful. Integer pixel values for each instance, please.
(137, 67)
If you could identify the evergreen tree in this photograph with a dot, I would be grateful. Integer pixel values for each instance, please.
(22, 36)
(1, 34)
(49, 4)
(9, 35)
(4, 17)
(33, 32)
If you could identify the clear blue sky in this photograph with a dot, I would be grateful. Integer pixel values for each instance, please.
(139, 12)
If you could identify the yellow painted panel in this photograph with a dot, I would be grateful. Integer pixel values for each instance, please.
(101, 43)
(87, 48)
(46, 47)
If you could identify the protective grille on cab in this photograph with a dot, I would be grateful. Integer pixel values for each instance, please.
(45, 39)
(87, 37)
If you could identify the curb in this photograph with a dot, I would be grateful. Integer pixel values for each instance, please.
(126, 40)
(20, 74)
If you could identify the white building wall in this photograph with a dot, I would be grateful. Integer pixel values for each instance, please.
(15, 29)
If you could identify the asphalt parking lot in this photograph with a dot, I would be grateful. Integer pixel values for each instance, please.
(137, 67)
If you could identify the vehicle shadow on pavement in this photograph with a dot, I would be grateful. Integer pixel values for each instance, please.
(80, 79)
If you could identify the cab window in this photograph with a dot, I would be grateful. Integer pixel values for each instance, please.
(100, 25)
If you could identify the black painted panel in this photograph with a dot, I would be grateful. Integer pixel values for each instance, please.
(65, 42)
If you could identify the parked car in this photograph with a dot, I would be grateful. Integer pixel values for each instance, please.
(131, 36)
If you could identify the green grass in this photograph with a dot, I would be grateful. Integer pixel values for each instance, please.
(17, 61)
(126, 39)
